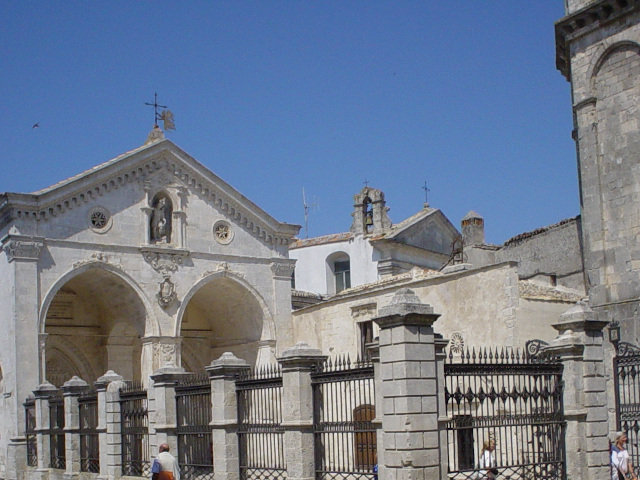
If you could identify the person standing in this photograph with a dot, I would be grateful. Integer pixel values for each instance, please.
(487, 463)
(621, 466)
(165, 465)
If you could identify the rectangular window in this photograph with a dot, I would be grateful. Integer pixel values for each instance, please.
(366, 336)
(342, 272)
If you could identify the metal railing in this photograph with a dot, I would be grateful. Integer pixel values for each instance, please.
(30, 433)
(344, 407)
(136, 458)
(58, 457)
(193, 411)
(260, 433)
(511, 402)
(89, 442)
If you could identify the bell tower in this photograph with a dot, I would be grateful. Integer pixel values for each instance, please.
(598, 51)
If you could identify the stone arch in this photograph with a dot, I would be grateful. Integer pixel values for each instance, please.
(222, 312)
(96, 316)
(152, 327)
(602, 54)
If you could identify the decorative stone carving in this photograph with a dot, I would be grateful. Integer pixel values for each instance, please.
(100, 220)
(167, 294)
(456, 344)
(282, 269)
(363, 312)
(23, 249)
(163, 262)
(165, 353)
(222, 232)
(97, 257)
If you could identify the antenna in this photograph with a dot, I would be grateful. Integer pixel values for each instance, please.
(307, 208)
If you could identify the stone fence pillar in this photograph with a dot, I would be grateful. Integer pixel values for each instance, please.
(580, 347)
(71, 391)
(297, 409)
(165, 419)
(109, 428)
(42, 395)
(411, 391)
(224, 415)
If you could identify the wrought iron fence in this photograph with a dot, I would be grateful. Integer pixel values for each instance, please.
(89, 442)
(260, 434)
(193, 410)
(626, 365)
(343, 410)
(136, 458)
(506, 406)
(58, 456)
(30, 433)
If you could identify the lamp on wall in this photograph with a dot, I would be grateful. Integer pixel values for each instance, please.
(614, 333)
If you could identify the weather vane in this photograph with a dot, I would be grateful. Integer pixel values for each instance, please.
(165, 115)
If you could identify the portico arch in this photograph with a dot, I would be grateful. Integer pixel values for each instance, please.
(223, 313)
(94, 318)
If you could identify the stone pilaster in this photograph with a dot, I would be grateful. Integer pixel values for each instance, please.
(580, 347)
(411, 382)
(165, 380)
(17, 455)
(109, 428)
(42, 394)
(297, 409)
(71, 391)
(224, 415)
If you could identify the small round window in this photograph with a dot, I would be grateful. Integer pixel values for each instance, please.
(223, 232)
(99, 219)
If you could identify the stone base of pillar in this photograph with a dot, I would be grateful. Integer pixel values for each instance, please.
(16, 459)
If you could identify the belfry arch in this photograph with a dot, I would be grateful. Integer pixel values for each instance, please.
(93, 320)
(220, 314)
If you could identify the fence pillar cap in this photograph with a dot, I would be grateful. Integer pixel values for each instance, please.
(579, 318)
(75, 385)
(106, 379)
(301, 355)
(406, 309)
(45, 389)
(168, 374)
(227, 364)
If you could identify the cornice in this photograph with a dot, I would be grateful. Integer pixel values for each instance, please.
(137, 167)
(585, 21)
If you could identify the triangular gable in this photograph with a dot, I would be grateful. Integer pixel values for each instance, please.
(139, 164)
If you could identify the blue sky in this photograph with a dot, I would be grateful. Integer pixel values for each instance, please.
(280, 95)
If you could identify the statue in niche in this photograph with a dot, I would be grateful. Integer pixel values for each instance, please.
(161, 220)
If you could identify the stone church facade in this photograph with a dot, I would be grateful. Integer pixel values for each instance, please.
(146, 261)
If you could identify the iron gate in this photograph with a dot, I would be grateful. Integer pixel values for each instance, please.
(513, 398)
(30, 432)
(136, 459)
(260, 434)
(56, 431)
(193, 411)
(626, 366)
(89, 443)
(343, 410)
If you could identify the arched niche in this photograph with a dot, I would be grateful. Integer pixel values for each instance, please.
(95, 320)
(161, 224)
(221, 315)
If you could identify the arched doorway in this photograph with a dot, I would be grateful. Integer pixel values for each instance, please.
(222, 315)
(94, 323)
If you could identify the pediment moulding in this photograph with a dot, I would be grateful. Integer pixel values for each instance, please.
(164, 171)
(21, 247)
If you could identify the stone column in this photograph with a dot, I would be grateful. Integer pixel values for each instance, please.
(224, 415)
(165, 420)
(71, 391)
(579, 345)
(297, 409)
(109, 428)
(42, 394)
(411, 391)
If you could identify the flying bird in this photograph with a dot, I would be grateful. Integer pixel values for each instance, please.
(36, 125)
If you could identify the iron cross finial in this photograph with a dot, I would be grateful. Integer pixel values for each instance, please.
(165, 115)
(366, 182)
(426, 192)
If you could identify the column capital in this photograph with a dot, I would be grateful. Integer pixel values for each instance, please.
(301, 357)
(22, 247)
